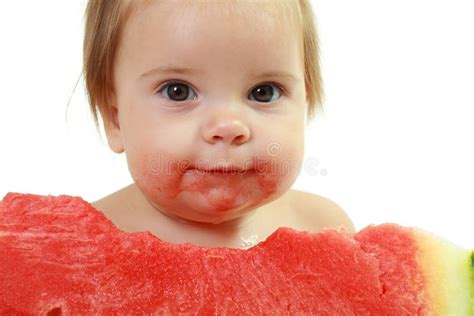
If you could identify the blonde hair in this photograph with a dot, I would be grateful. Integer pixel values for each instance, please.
(104, 25)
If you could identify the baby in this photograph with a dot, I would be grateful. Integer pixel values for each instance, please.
(208, 100)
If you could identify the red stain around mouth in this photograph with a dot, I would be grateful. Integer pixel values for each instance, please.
(164, 178)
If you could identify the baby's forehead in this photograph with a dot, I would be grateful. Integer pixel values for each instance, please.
(194, 37)
(236, 17)
(245, 13)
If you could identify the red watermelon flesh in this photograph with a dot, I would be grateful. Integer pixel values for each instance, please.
(61, 255)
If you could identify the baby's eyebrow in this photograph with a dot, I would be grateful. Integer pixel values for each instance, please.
(169, 70)
(276, 74)
(192, 71)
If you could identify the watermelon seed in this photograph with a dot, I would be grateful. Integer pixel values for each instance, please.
(57, 311)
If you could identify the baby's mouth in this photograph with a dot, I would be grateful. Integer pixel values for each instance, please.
(222, 169)
(222, 182)
(217, 172)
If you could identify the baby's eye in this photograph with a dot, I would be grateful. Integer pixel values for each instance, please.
(177, 91)
(265, 93)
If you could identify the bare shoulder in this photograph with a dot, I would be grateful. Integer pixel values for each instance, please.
(113, 202)
(116, 207)
(318, 212)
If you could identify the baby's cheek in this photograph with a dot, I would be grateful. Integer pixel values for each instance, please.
(269, 182)
(158, 175)
(276, 176)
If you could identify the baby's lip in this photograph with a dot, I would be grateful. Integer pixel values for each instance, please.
(222, 169)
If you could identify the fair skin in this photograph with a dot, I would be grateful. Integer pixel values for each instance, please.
(213, 151)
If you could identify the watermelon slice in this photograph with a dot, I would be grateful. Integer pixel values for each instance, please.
(61, 256)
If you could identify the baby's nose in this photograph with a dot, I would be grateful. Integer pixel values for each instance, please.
(227, 130)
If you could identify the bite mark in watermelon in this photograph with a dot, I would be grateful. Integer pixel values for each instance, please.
(62, 256)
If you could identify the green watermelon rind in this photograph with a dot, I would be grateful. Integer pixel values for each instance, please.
(472, 282)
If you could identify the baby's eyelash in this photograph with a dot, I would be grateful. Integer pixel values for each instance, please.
(279, 86)
(276, 84)
(161, 86)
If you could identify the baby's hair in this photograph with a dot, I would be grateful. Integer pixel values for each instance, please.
(105, 22)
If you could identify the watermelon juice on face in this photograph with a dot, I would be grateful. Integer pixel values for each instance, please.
(211, 193)
(208, 102)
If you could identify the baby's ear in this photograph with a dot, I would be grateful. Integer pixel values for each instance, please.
(112, 129)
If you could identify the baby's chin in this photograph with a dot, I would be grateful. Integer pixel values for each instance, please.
(215, 206)
(218, 206)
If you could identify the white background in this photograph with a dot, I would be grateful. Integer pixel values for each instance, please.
(395, 143)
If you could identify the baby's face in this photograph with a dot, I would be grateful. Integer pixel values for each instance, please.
(198, 90)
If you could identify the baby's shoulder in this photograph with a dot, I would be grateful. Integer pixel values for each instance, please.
(116, 207)
(316, 212)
